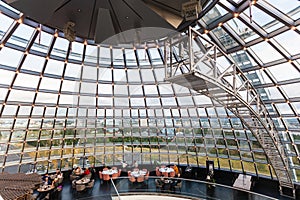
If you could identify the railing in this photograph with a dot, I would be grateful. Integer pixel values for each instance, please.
(195, 189)
(114, 186)
(196, 63)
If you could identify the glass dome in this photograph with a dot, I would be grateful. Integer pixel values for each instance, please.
(64, 104)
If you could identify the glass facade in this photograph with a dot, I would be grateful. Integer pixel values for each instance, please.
(67, 103)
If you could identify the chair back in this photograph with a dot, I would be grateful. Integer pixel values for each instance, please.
(158, 183)
(90, 184)
(115, 176)
(178, 185)
(172, 174)
(165, 174)
(158, 173)
(80, 187)
(140, 179)
(73, 184)
(106, 177)
(132, 179)
(147, 175)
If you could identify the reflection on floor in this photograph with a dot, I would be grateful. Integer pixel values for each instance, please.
(104, 190)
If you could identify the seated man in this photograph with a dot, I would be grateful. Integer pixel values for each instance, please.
(47, 181)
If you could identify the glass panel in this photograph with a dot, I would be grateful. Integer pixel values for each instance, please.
(21, 36)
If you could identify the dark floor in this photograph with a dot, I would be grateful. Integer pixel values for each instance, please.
(104, 190)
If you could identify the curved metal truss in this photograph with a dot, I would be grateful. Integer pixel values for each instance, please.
(196, 63)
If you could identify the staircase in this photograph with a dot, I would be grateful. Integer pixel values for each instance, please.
(192, 62)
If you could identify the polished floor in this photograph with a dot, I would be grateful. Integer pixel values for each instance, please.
(195, 190)
(193, 186)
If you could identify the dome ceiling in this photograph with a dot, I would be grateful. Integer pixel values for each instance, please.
(84, 99)
(100, 20)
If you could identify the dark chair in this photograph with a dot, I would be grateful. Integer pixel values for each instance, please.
(90, 185)
(106, 177)
(80, 188)
(159, 184)
(177, 185)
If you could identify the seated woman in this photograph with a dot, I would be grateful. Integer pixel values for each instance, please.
(59, 175)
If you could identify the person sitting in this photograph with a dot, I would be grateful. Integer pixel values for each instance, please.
(45, 176)
(55, 183)
(176, 170)
(59, 175)
(47, 181)
(93, 171)
(77, 171)
(57, 171)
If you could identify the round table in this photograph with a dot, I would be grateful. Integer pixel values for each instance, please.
(45, 188)
(166, 169)
(138, 173)
(110, 171)
(82, 181)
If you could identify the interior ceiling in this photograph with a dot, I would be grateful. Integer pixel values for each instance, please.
(100, 19)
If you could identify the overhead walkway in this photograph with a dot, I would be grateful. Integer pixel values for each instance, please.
(194, 62)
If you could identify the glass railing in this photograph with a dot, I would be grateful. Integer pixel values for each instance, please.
(178, 187)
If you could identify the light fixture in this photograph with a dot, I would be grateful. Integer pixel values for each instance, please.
(69, 31)
(235, 15)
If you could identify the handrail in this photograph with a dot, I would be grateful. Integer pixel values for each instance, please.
(196, 181)
(119, 197)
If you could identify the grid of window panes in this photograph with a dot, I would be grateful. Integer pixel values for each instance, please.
(64, 104)
(263, 39)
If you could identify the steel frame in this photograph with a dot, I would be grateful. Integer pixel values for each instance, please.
(192, 61)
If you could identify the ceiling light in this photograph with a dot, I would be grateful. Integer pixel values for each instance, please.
(236, 14)
(69, 31)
